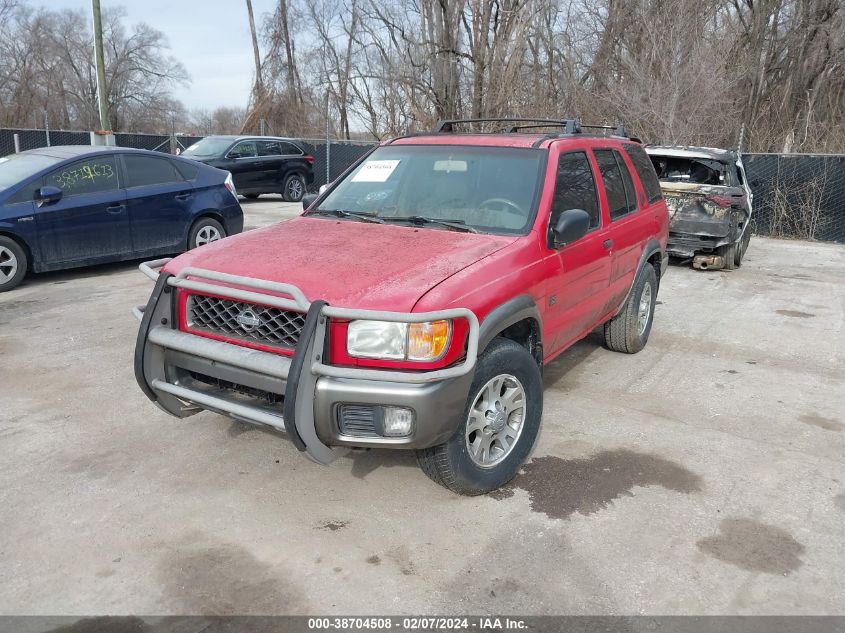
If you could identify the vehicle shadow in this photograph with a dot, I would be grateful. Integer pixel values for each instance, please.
(365, 462)
(265, 198)
(57, 277)
(569, 365)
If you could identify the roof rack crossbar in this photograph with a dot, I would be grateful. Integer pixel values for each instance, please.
(572, 126)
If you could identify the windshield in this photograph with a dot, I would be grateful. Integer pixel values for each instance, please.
(209, 146)
(488, 189)
(18, 167)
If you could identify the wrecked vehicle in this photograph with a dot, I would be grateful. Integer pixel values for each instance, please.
(416, 301)
(709, 202)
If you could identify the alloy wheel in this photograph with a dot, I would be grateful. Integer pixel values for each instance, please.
(495, 420)
(206, 235)
(8, 264)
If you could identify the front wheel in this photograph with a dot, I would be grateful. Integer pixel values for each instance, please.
(501, 422)
(628, 331)
(13, 263)
(204, 231)
(294, 188)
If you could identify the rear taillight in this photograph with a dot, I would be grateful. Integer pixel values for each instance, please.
(230, 184)
(720, 201)
(309, 159)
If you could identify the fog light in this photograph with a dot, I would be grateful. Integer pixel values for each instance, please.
(398, 421)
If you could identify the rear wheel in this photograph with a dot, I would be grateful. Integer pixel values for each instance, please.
(501, 422)
(731, 254)
(204, 231)
(294, 188)
(743, 247)
(13, 263)
(628, 331)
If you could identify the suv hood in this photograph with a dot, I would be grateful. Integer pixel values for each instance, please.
(347, 263)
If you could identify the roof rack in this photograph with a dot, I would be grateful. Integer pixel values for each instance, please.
(570, 126)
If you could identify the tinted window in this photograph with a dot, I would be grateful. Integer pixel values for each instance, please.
(85, 176)
(269, 148)
(645, 170)
(188, 171)
(244, 149)
(614, 183)
(146, 170)
(290, 149)
(630, 192)
(26, 193)
(575, 188)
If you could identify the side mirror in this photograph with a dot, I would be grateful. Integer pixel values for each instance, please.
(308, 199)
(572, 225)
(323, 189)
(48, 195)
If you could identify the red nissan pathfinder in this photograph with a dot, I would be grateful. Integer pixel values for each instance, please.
(415, 302)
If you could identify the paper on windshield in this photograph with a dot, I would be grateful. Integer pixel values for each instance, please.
(375, 171)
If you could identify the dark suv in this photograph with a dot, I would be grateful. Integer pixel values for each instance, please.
(415, 303)
(259, 164)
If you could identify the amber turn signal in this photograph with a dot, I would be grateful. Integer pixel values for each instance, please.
(428, 341)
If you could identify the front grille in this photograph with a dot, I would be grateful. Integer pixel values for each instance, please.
(245, 321)
(358, 420)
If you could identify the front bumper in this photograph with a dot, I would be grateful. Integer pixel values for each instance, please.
(184, 373)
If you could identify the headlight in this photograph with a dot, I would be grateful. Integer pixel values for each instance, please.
(398, 341)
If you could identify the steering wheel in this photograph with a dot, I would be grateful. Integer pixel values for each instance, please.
(502, 204)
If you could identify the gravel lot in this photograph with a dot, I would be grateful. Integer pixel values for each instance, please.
(703, 475)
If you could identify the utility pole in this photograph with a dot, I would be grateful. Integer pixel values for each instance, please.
(102, 93)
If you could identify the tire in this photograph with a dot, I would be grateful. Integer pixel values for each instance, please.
(743, 247)
(628, 331)
(205, 231)
(730, 253)
(294, 188)
(451, 464)
(251, 196)
(13, 263)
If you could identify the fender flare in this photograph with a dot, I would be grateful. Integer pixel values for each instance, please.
(503, 316)
(651, 247)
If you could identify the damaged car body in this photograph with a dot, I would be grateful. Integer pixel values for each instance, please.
(709, 203)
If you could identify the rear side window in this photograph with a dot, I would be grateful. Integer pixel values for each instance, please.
(92, 175)
(269, 148)
(186, 169)
(146, 170)
(575, 188)
(617, 183)
(645, 170)
(289, 149)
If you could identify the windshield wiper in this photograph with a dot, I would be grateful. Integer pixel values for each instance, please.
(458, 225)
(340, 213)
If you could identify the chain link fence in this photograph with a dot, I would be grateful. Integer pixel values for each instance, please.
(798, 196)
(795, 195)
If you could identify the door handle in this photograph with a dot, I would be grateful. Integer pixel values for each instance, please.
(115, 208)
(608, 243)
(183, 196)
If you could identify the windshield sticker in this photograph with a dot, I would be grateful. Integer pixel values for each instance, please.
(375, 171)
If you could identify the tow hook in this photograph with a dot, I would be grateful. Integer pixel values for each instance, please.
(706, 262)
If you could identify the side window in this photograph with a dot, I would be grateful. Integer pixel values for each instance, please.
(575, 188)
(244, 149)
(269, 148)
(289, 149)
(645, 170)
(25, 193)
(146, 170)
(188, 171)
(617, 184)
(85, 176)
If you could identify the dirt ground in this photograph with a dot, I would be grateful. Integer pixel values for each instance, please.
(704, 475)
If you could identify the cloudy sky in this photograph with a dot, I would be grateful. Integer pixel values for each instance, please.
(210, 37)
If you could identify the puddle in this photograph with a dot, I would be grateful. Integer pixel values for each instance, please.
(754, 546)
(559, 488)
